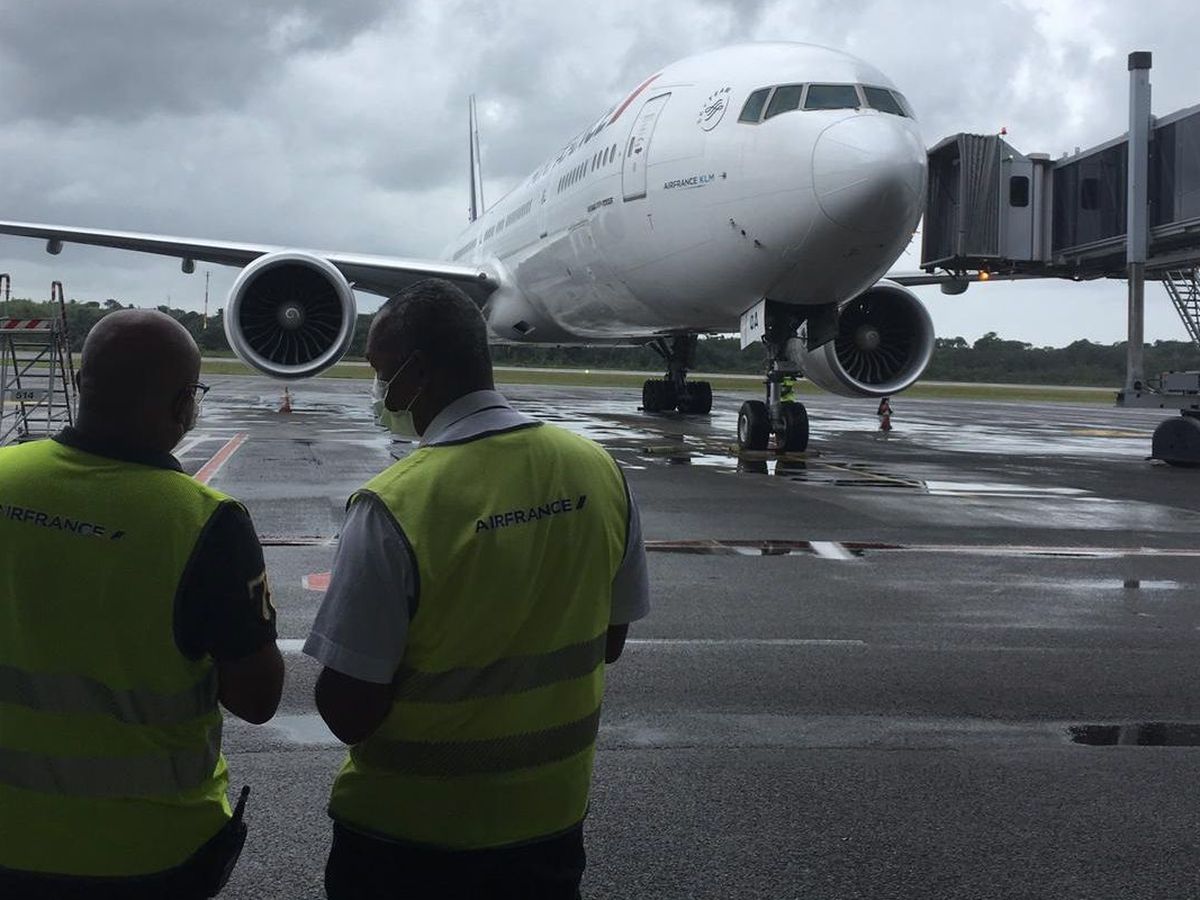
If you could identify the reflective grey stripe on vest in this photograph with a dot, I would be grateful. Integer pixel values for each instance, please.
(106, 776)
(506, 676)
(506, 754)
(80, 695)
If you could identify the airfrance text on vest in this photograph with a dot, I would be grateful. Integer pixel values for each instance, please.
(528, 515)
(57, 522)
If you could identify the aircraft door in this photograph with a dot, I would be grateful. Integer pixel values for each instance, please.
(637, 148)
(1019, 203)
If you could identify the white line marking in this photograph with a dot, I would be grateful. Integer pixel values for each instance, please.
(296, 645)
(830, 550)
(746, 642)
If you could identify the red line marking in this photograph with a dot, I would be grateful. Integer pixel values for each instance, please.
(318, 581)
(624, 106)
(213, 466)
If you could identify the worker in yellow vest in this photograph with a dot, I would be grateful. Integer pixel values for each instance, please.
(480, 586)
(132, 600)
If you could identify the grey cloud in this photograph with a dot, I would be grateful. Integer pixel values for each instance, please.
(125, 59)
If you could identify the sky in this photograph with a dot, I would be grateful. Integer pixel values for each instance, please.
(342, 126)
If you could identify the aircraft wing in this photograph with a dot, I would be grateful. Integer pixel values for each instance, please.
(382, 275)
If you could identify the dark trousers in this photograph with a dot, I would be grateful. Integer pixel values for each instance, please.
(198, 878)
(367, 867)
(36, 886)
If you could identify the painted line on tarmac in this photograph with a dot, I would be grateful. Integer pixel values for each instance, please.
(209, 470)
(830, 550)
(317, 581)
(746, 642)
(296, 645)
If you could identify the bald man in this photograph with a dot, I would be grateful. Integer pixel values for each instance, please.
(133, 600)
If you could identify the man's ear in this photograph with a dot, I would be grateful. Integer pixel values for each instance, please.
(179, 409)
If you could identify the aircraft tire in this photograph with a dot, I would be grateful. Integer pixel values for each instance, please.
(754, 425)
(658, 395)
(793, 435)
(698, 398)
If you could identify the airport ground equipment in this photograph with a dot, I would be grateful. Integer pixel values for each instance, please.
(1128, 209)
(37, 376)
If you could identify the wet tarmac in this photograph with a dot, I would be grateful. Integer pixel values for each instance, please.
(957, 660)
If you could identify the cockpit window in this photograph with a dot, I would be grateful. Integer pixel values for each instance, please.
(883, 100)
(785, 99)
(831, 96)
(752, 111)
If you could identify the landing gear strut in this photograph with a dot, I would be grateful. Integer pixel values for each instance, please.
(785, 418)
(674, 391)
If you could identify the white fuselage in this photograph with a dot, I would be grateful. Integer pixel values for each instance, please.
(669, 215)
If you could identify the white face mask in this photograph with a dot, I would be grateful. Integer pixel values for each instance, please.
(398, 422)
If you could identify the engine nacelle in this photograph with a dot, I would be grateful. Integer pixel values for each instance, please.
(290, 315)
(884, 342)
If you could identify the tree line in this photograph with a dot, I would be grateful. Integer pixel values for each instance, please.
(990, 359)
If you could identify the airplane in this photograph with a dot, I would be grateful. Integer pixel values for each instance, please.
(763, 187)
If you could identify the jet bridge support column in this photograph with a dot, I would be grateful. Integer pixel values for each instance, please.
(1137, 231)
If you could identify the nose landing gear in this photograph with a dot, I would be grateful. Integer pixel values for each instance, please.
(786, 419)
(780, 414)
(674, 391)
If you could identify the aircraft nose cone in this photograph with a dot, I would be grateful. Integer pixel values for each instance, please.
(869, 174)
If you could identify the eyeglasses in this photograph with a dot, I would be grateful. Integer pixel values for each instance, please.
(199, 391)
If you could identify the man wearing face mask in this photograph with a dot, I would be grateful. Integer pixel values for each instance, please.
(480, 586)
(133, 600)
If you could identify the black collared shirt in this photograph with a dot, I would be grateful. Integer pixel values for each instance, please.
(220, 608)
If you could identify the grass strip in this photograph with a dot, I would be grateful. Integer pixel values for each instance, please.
(603, 378)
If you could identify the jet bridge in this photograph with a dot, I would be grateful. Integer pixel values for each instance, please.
(1128, 209)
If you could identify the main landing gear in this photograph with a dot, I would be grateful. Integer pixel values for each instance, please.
(674, 391)
(780, 415)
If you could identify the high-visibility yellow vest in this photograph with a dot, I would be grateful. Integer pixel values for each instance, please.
(110, 760)
(517, 537)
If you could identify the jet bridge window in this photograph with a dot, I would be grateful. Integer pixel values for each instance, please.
(1018, 190)
(883, 100)
(785, 99)
(752, 111)
(831, 96)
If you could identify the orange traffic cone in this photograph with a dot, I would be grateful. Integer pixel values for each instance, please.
(286, 406)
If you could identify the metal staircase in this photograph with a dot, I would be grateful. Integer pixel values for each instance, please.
(37, 375)
(1183, 287)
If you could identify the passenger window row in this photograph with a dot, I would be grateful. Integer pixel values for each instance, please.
(767, 102)
(599, 159)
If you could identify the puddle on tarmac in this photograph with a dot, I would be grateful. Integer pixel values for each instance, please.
(824, 549)
(309, 730)
(1137, 734)
(811, 469)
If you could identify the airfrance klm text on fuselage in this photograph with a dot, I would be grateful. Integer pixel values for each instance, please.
(761, 186)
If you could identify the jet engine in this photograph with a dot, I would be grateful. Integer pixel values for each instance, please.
(884, 342)
(290, 315)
